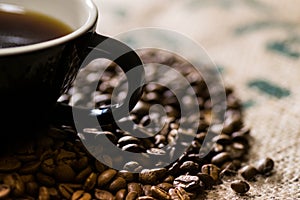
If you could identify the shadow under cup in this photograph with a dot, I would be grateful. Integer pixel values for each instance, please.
(33, 77)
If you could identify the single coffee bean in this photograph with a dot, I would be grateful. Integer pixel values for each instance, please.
(27, 178)
(222, 139)
(128, 140)
(9, 164)
(131, 166)
(165, 186)
(145, 198)
(103, 195)
(159, 193)
(105, 177)
(81, 176)
(133, 148)
(90, 182)
(240, 186)
(265, 166)
(189, 166)
(248, 172)
(178, 194)
(135, 187)
(65, 191)
(121, 194)
(152, 176)
(100, 167)
(187, 182)
(45, 179)
(43, 193)
(131, 195)
(4, 191)
(220, 158)
(117, 184)
(30, 168)
(128, 176)
(81, 163)
(211, 170)
(81, 195)
(64, 173)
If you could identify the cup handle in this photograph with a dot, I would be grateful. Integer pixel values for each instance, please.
(118, 52)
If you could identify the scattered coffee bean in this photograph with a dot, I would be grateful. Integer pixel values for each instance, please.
(117, 184)
(248, 172)
(90, 182)
(152, 176)
(178, 194)
(265, 166)
(44, 194)
(211, 170)
(135, 187)
(9, 164)
(240, 186)
(220, 158)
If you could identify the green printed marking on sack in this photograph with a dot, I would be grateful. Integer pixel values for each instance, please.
(269, 88)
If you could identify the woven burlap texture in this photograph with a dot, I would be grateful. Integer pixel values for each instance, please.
(257, 46)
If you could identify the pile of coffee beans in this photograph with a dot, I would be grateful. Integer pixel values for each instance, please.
(56, 164)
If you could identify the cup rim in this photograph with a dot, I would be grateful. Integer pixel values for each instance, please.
(57, 41)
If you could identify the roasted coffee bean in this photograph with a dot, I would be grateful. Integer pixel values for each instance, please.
(81, 176)
(211, 170)
(81, 163)
(133, 148)
(117, 184)
(159, 193)
(187, 182)
(105, 177)
(135, 187)
(131, 166)
(207, 181)
(189, 166)
(128, 176)
(237, 150)
(45, 179)
(220, 158)
(222, 139)
(240, 186)
(103, 195)
(248, 172)
(30, 168)
(4, 191)
(178, 194)
(9, 164)
(64, 173)
(169, 179)
(81, 195)
(165, 186)
(145, 198)
(100, 167)
(90, 182)
(128, 140)
(43, 193)
(152, 176)
(27, 178)
(16, 184)
(121, 194)
(265, 166)
(65, 191)
(131, 195)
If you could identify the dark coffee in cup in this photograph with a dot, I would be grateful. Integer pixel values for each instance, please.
(23, 27)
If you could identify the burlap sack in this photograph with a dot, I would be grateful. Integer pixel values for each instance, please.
(256, 44)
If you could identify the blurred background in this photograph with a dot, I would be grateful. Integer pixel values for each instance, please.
(256, 46)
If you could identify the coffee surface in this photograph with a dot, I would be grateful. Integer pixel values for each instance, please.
(28, 27)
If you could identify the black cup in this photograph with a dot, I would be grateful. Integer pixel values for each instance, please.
(33, 77)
